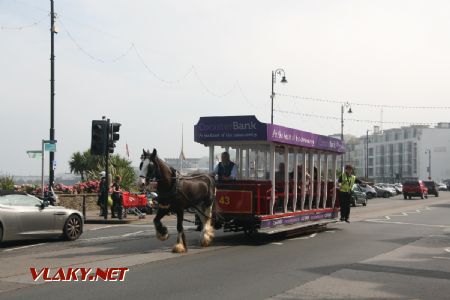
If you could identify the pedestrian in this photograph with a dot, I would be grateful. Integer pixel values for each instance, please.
(346, 181)
(116, 198)
(102, 194)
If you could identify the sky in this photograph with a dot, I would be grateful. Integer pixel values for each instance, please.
(155, 66)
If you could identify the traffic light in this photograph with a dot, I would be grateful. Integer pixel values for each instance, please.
(99, 137)
(113, 136)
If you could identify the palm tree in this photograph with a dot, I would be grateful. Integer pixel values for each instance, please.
(89, 166)
(79, 164)
(122, 167)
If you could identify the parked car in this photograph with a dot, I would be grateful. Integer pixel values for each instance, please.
(358, 196)
(384, 192)
(398, 188)
(390, 188)
(432, 188)
(370, 191)
(414, 188)
(442, 187)
(23, 216)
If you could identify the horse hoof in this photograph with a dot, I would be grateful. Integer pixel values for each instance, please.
(179, 248)
(206, 241)
(162, 237)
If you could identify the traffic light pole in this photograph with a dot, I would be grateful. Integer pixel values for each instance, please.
(104, 135)
(106, 186)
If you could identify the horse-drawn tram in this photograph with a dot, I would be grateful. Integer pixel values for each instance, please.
(285, 177)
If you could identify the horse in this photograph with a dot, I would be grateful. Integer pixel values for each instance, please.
(175, 194)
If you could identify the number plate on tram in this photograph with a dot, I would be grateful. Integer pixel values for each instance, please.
(230, 201)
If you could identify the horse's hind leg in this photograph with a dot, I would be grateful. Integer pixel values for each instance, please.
(207, 233)
(180, 246)
(161, 231)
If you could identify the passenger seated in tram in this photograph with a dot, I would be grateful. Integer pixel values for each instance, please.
(300, 177)
(279, 175)
(225, 169)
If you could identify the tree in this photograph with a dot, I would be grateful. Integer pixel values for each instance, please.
(89, 166)
(6, 182)
(79, 164)
(122, 167)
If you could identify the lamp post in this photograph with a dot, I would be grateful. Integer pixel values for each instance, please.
(367, 155)
(281, 73)
(53, 30)
(428, 151)
(344, 105)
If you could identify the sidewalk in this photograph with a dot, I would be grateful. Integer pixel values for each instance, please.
(92, 217)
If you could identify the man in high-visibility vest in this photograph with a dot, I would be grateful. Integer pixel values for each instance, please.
(346, 180)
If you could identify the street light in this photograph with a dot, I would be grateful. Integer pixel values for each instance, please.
(428, 151)
(367, 155)
(344, 105)
(53, 30)
(274, 78)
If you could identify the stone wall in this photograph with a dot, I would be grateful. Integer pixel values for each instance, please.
(76, 201)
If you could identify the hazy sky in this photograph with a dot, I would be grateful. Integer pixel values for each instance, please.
(213, 58)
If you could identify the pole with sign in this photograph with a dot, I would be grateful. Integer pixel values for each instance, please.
(42, 171)
(49, 146)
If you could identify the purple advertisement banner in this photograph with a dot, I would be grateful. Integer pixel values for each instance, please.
(248, 128)
(285, 135)
(235, 128)
(297, 219)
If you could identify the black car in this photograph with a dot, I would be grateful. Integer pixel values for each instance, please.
(432, 188)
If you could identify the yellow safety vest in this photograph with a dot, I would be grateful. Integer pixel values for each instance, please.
(347, 182)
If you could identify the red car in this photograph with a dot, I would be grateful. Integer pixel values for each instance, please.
(414, 188)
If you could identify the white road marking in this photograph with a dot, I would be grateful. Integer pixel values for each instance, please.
(405, 223)
(304, 237)
(101, 238)
(133, 233)
(330, 231)
(23, 247)
(402, 214)
(102, 227)
(278, 244)
(447, 250)
(440, 257)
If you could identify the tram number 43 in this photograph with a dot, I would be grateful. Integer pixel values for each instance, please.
(224, 200)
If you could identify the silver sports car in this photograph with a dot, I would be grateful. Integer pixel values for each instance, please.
(23, 216)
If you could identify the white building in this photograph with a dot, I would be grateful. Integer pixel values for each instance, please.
(394, 155)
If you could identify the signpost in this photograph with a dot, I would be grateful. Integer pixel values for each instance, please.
(49, 146)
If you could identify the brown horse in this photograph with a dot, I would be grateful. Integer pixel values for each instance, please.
(176, 193)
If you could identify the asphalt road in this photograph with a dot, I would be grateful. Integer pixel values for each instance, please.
(392, 249)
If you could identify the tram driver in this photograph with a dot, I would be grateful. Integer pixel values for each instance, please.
(225, 169)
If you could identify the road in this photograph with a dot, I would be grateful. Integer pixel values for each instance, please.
(392, 249)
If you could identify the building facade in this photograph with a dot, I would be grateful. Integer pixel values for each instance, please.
(395, 155)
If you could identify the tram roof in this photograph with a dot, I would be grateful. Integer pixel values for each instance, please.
(230, 129)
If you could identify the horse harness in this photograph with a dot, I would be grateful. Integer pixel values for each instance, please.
(175, 192)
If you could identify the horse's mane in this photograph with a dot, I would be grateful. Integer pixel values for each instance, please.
(166, 172)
